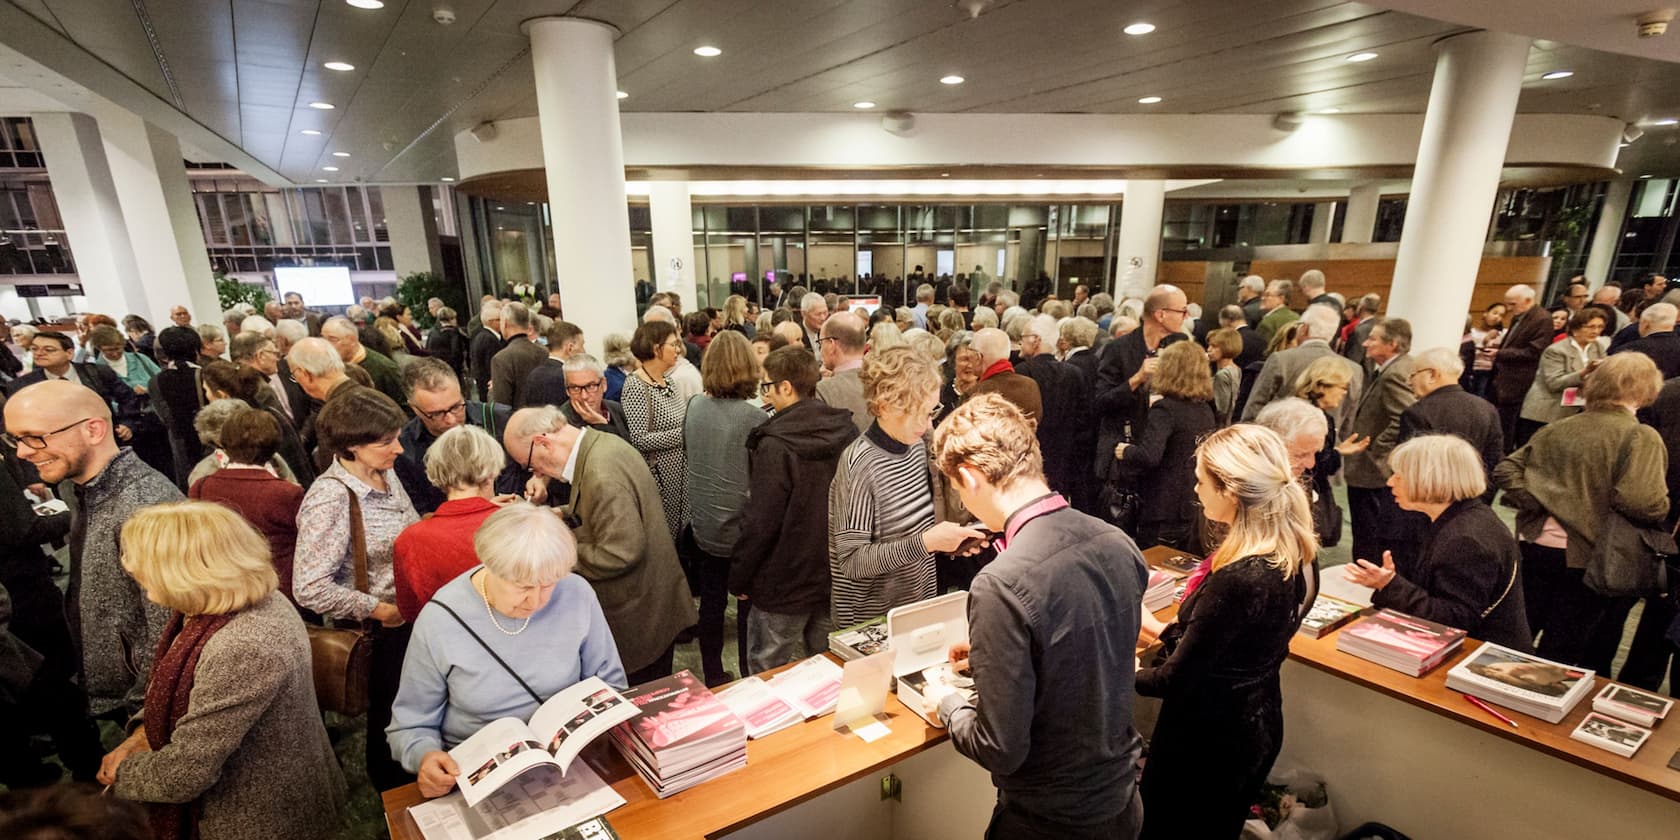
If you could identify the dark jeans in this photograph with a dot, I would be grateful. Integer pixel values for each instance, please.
(1576, 625)
(1509, 414)
(390, 644)
(658, 669)
(1380, 525)
(1010, 822)
(713, 574)
(1651, 655)
(1525, 430)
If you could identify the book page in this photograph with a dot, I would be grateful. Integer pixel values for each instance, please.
(580, 714)
(541, 804)
(812, 686)
(494, 755)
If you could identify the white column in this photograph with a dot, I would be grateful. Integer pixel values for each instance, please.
(93, 219)
(412, 230)
(161, 217)
(1324, 221)
(1361, 221)
(673, 242)
(1465, 131)
(583, 154)
(1140, 238)
(1607, 237)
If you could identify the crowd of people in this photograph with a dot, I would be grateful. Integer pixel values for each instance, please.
(502, 514)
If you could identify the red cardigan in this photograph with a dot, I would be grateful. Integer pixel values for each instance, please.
(270, 504)
(436, 550)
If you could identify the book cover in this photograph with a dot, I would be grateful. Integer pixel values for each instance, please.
(1327, 614)
(679, 711)
(1520, 675)
(812, 686)
(1404, 635)
(945, 673)
(1180, 564)
(860, 640)
(1608, 733)
(1632, 705)
(758, 707)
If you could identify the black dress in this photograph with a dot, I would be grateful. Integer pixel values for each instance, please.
(1221, 721)
(1161, 465)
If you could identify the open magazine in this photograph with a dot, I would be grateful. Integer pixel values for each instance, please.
(507, 748)
(541, 803)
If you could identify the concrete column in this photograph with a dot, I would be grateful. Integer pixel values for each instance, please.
(412, 230)
(1323, 222)
(1361, 221)
(93, 219)
(1140, 238)
(673, 242)
(583, 154)
(1607, 237)
(1465, 131)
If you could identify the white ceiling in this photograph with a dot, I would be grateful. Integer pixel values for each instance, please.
(246, 70)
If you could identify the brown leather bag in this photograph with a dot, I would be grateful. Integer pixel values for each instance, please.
(342, 654)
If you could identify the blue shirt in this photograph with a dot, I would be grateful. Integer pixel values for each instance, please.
(451, 687)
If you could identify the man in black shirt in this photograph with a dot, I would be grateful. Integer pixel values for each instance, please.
(1053, 623)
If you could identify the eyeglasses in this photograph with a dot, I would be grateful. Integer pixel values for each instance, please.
(435, 416)
(37, 442)
(584, 389)
(764, 388)
(1184, 312)
(531, 452)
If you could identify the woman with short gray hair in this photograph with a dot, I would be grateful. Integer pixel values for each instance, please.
(541, 626)
(464, 463)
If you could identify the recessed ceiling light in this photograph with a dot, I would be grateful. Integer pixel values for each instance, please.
(320, 180)
(864, 105)
(1642, 177)
(1139, 28)
(1621, 145)
(321, 106)
(311, 132)
(1329, 110)
(623, 95)
(952, 79)
(500, 207)
(446, 179)
(1149, 100)
(341, 154)
(1361, 56)
(708, 52)
(1557, 74)
(329, 169)
(1668, 121)
(367, 4)
(340, 66)
(944, 174)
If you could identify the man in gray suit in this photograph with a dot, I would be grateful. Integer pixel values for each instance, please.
(842, 345)
(1277, 376)
(1378, 523)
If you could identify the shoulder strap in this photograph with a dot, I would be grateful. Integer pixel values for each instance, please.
(358, 534)
(493, 655)
(487, 418)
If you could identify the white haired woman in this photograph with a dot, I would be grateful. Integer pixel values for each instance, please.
(522, 609)
(1469, 570)
(231, 743)
(1221, 720)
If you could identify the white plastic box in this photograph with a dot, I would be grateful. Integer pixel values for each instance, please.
(921, 635)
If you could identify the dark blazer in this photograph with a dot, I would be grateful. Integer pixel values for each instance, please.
(1664, 416)
(616, 423)
(1162, 462)
(1012, 386)
(1454, 411)
(1063, 419)
(510, 366)
(545, 384)
(1378, 418)
(1116, 403)
(483, 347)
(1253, 346)
(1468, 562)
(303, 406)
(1662, 347)
(125, 404)
(416, 440)
(1251, 311)
(1519, 355)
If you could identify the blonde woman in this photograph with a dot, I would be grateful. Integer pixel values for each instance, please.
(232, 744)
(883, 335)
(1221, 720)
(1325, 384)
(735, 316)
(1161, 464)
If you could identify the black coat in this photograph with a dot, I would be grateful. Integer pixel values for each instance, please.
(545, 384)
(1664, 416)
(1662, 347)
(1162, 461)
(1469, 561)
(484, 347)
(1451, 410)
(1116, 403)
(1064, 405)
(1253, 347)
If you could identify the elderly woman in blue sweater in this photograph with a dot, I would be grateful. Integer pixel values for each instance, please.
(522, 605)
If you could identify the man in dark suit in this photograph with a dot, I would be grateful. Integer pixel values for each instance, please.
(1127, 363)
(546, 383)
(1253, 346)
(1529, 334)
(1064, 408)
(1657, 339)
(1378, 523)
(295, 310)
(1443, 407)
(485, 344)
(434, 395)
(52, 353)
(1248, 297)
(519, 355)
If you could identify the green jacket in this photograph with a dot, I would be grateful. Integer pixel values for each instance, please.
(1275, 320)
(1579, 469)
(625, 550)
(386, 376)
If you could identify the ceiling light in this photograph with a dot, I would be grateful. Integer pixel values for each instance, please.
(329, 169)
(1361, 56)
(1557, 74)
(864, 105)
(1149, 100)
(951, 80)
(623, 95)
(944, 174)
(1643, 177)
(1668, 121)
(1329, 110)
(320, 180)
(340, 66)
(341, 154)
(1139, 28)
(708, 52)
(321, 106)
(367, 4)
(311, 132)
(446, 179)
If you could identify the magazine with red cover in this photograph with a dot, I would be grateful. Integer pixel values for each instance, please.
(680, 713)
(1405, 635)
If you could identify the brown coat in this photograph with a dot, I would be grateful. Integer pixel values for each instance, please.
(1016, 388)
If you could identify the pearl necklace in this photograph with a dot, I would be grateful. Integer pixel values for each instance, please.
(490, 611)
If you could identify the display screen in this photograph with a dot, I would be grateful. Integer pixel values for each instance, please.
(319, 285)
(868, 302)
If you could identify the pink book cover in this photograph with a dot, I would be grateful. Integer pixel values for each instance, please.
(678, 710)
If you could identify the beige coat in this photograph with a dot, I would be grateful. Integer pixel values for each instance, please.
(1378, 418)
(1561, 367)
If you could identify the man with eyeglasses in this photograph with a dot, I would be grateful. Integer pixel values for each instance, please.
(65, 431)
(1378, 522)
(586, 403)
(1129, 361)
(844, 340)
(434, 395)
(1443, 407)
(546, 383)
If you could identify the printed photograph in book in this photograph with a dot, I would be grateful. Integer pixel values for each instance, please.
(960, 678)
(1518, 671)
(1610, 730)
(540, 803)
(1649, 703)
(559, 729)
(1402, 633)
(679, 708)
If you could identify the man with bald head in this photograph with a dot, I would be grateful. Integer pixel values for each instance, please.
(998, 376)
(1609, 298)
(1527, 335)
(65, 432)
(1129, 361)
(844, 339)
(1657, 339)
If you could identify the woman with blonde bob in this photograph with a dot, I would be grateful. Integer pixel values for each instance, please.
(497, 642)
(230, 743)
(1221, 720)
(1469, 571)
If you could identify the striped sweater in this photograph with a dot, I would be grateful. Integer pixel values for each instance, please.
(879, 505)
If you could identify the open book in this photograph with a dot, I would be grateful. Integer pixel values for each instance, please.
(507, 748)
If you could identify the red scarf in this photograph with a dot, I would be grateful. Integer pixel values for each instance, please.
(1000, 366)
(173, 666)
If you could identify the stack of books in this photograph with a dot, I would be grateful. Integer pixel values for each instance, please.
(1621, 719)
(1524, 682)
(1158, 594)
(1327, 614)
(1405, 643)
(685, 735)
(860, 640)
(1607, 733)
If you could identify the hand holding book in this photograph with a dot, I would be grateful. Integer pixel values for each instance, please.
(437, 774)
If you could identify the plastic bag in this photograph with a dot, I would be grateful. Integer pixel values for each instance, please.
(1294, 805)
